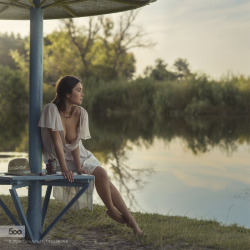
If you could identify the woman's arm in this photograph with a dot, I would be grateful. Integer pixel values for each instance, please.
(56, 138)
(76, 155)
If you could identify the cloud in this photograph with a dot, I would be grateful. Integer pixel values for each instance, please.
(211, 34)
(196, 10)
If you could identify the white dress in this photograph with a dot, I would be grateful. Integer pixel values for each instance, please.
(50, 118)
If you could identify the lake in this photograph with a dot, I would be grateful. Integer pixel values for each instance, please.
(191, 167)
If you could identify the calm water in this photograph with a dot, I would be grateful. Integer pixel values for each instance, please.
(188, 167)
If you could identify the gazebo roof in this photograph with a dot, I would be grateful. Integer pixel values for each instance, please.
(56, 9)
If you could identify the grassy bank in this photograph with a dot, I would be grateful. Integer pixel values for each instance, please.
(160, 231)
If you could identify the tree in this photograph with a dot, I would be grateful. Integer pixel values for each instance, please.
(85, 52)
(182, 68)
(159, 72)
(119, 41)
(108, 44)
(84, 39)
(7, 43)
(60, 57)
(99, 49)
(22, 59)
(13, 108)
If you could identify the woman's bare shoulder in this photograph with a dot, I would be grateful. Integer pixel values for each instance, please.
(82, 110)
(77, 111)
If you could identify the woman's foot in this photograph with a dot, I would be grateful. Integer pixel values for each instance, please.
(136, 229)
(115, 215)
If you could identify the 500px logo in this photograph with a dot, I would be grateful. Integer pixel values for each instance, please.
(12, 231)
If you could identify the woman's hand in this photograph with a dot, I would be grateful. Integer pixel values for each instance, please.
(81, 171)
(68, 175)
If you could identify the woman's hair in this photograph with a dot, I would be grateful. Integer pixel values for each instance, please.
(64, 86)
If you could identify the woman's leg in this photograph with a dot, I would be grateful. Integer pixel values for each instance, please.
(121, 206)
(113, 200)
(102, 185)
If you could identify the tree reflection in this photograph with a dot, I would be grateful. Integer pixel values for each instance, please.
(129, 179)
(110, 144)
(243, 194)
(202, 134)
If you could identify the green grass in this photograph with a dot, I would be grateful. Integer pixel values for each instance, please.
(160, 230)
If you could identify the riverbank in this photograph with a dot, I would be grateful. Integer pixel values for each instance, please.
(83, 229)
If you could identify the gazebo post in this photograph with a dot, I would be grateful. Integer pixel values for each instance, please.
(34, 212)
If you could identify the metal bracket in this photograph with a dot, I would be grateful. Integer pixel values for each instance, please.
(53, 223)
(8, 212)
(20, 212)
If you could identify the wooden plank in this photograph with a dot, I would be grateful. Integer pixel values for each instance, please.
(43, 177)
(64, 183)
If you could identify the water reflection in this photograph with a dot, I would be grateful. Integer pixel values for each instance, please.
(110, 144)
(200, 135)
(243, 194)
(115, 139)
(128, 177)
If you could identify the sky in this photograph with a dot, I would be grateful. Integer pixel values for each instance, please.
(212, 35)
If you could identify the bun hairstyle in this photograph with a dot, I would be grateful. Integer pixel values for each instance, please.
(64, 86)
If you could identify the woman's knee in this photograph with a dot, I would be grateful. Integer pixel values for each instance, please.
(100, 173)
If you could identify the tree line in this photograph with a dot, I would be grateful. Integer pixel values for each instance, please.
(99, 52)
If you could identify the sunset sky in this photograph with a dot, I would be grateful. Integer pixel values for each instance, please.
(213, 35)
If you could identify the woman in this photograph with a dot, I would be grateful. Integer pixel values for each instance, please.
(63, 124)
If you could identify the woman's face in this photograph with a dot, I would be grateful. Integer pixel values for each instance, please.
(76, 95)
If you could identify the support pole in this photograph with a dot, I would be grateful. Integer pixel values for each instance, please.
(34, 212)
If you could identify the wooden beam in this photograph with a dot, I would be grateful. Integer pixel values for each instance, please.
(31, 3)
(69, 11)
(21, 4)
(42, 2)
(4, 8)
(16, 4)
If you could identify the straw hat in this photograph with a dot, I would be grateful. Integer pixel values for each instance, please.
(19, 166)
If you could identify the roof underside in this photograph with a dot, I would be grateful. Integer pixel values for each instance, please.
(56, 9)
